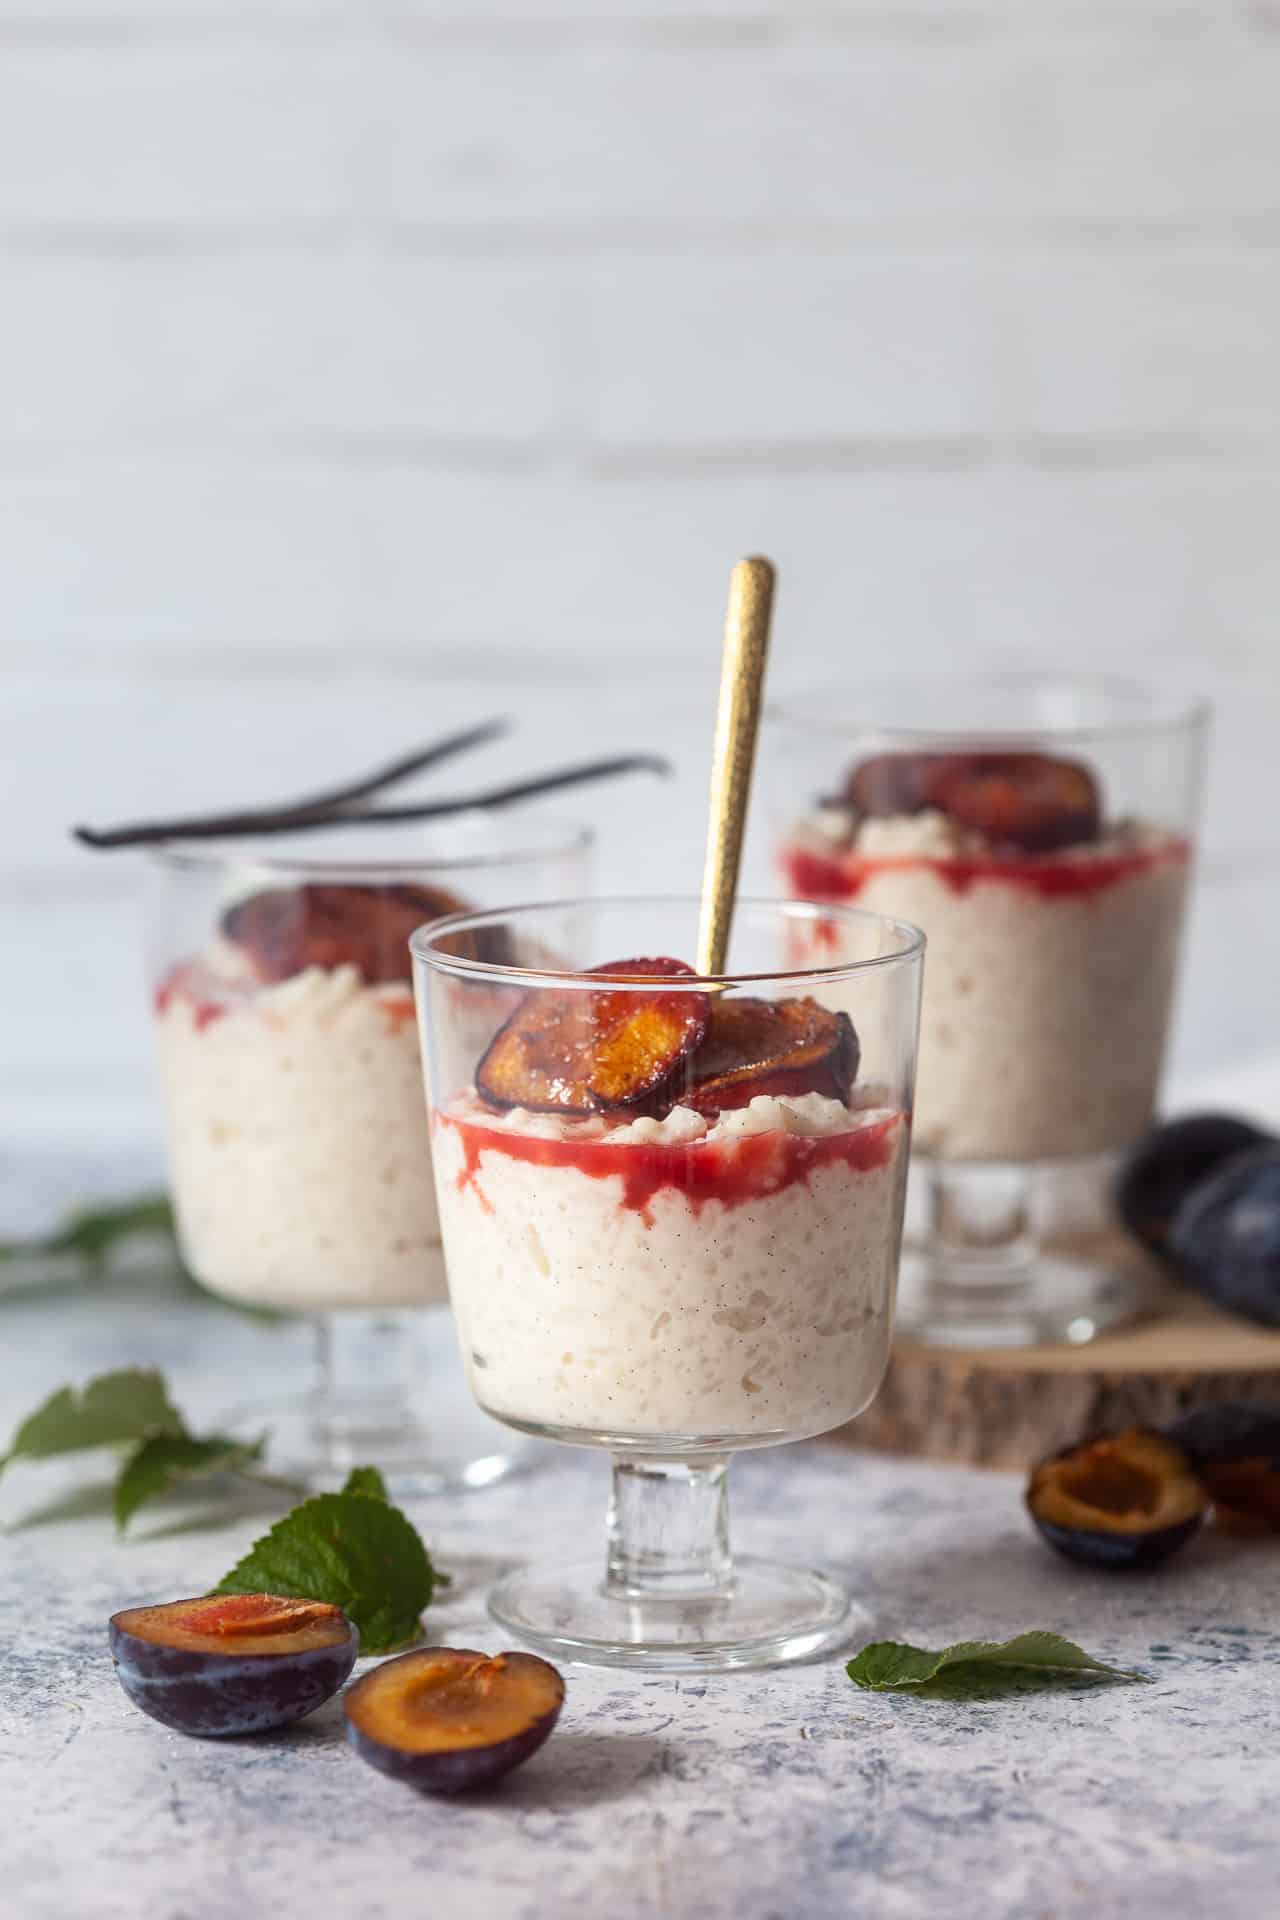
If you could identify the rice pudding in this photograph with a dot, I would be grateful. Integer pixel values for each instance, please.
(1051, 962)
(299, 1148)
(720, 1265)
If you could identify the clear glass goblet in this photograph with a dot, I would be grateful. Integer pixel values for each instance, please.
(1040, 830)
(671, 1210)
(298, 1148)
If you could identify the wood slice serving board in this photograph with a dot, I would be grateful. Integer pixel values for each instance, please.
(1010, 1407)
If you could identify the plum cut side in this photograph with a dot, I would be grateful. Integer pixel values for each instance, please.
(241, 1663)
(449, 1719)
(1120, 1501)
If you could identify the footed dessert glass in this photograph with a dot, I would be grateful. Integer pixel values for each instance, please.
(298, 1148)
(1040, 831)
(671, 1209)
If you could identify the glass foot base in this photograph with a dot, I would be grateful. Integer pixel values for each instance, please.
(412, 1460)
(1055, 1300)
(773, 1614)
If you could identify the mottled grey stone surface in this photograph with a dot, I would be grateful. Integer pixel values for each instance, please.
(786, 1796)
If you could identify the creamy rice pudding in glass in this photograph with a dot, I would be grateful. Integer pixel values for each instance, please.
(1040, 831)
(671, 1210)
(298, 1147)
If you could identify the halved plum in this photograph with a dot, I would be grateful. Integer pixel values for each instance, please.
(449, 1719)
(583, 1052)
(328, 924)
(1120, 1500)
(1234, 1450)
(774, 1047)
(237, 1663)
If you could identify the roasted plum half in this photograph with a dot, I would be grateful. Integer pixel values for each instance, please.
(1172, 1159)
(1225, 1237)
(239, 1663)
(583, 1052)
(448, 1719)
(1234, 1450)
(1028, 802)
(330, 924)
(771, 1047)
(1120, 1501)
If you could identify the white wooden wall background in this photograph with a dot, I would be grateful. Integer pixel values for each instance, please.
(367, 367)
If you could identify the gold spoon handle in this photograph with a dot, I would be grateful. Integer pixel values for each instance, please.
(746, 642)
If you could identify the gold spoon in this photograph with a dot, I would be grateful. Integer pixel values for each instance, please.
(746, 642)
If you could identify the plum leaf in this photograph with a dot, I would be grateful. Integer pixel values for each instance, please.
(166, 1460)
(357, 1552)
(132, 1404)
(968, 1668)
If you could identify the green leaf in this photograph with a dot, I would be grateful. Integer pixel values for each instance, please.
(95, 1232)
(165, 1460)
(368, 1481)
(130, 1405)
(968, 1669)
(360, 1554)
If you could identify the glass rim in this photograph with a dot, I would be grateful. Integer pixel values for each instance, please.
(1167, 713)
(423, 949)
(253, 851)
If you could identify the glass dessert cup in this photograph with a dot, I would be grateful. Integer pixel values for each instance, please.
(1040, 831)
(299, 1151)
(671, 1210)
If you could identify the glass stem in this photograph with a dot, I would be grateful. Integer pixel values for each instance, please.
(981, 1236)
(364, 1363)
(669, 1529)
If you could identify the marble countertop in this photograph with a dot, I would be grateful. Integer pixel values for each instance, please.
(778, 1796)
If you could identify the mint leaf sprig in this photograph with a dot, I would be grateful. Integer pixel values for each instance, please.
(130, 1409)
(978, 1669)
(94, 1233)
(355, 1550)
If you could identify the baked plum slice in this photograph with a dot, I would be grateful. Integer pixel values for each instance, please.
(771, 1047)
(1029, 802)
(1225, 1236)
(449, 1719)
(237, 1663)
(1172, 1159)
(1120, 1501)
(335, 924)
(583, 1052)
(1234, 1449)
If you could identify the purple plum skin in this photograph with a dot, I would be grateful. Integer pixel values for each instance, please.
(1118, 1552)
(212, 1695)
(463, 1771)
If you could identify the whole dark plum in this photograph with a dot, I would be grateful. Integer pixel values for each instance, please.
(1225, 1237)
(239, 1664)
(1120, 1501)
(1172, 1159)
(448, 1719)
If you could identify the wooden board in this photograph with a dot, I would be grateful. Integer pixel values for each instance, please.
(1010, 1407)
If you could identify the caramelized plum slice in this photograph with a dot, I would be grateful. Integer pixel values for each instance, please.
(447, 1719)
(240, 1663)
(323, 924)
(772, 1047)
(584, 1052)
(1120, 1501)
(1030, 801)
(890, 783)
